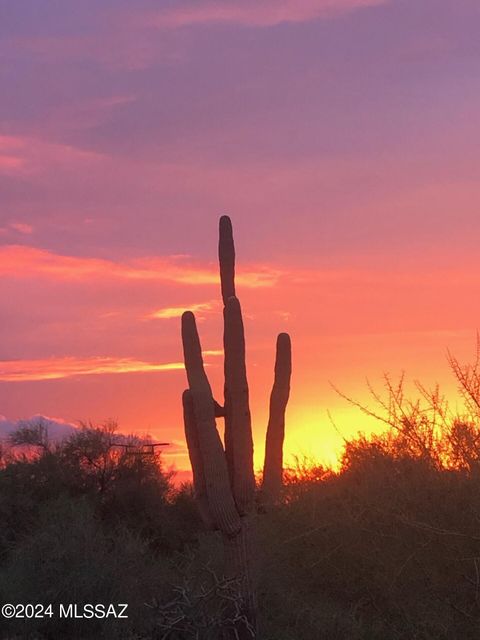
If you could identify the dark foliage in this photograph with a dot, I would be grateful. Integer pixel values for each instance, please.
(86, 522)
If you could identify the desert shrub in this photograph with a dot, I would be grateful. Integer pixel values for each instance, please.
(389, 548)
(71, 558)
(202, 606)
(84, 522)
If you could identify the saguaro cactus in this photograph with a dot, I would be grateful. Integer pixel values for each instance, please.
(223, 475)
(273, 466)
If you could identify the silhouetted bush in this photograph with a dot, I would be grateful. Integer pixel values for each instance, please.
(84, 521)
(389, 546)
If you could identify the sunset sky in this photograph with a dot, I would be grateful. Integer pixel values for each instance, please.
(341, 136)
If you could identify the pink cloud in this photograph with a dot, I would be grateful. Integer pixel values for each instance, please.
(22, 227)
(252, 13)
(24, 262)
(25, 155)
(56, 368)
(10, 164)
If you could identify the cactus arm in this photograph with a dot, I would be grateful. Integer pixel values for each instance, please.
(196, 461)
(273, 466)
(217, 485)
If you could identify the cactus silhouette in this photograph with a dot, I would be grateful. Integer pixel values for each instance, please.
(273, 465)
(223, 474)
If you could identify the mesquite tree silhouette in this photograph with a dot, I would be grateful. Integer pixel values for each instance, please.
(223, 474)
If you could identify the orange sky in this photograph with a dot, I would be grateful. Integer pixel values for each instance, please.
(342, 138)
(122, 320)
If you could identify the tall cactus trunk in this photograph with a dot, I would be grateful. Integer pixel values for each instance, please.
(240, 555)
(273, 466)
(213, 490)
(223, 475)
(240, 552)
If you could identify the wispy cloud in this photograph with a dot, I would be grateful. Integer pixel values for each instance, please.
(212, 352)
(22, 227)
(175, 312)
(10, 164)
(55, 368)
(26, 155)
(251, 13)
(114, 42)
(26, 262)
